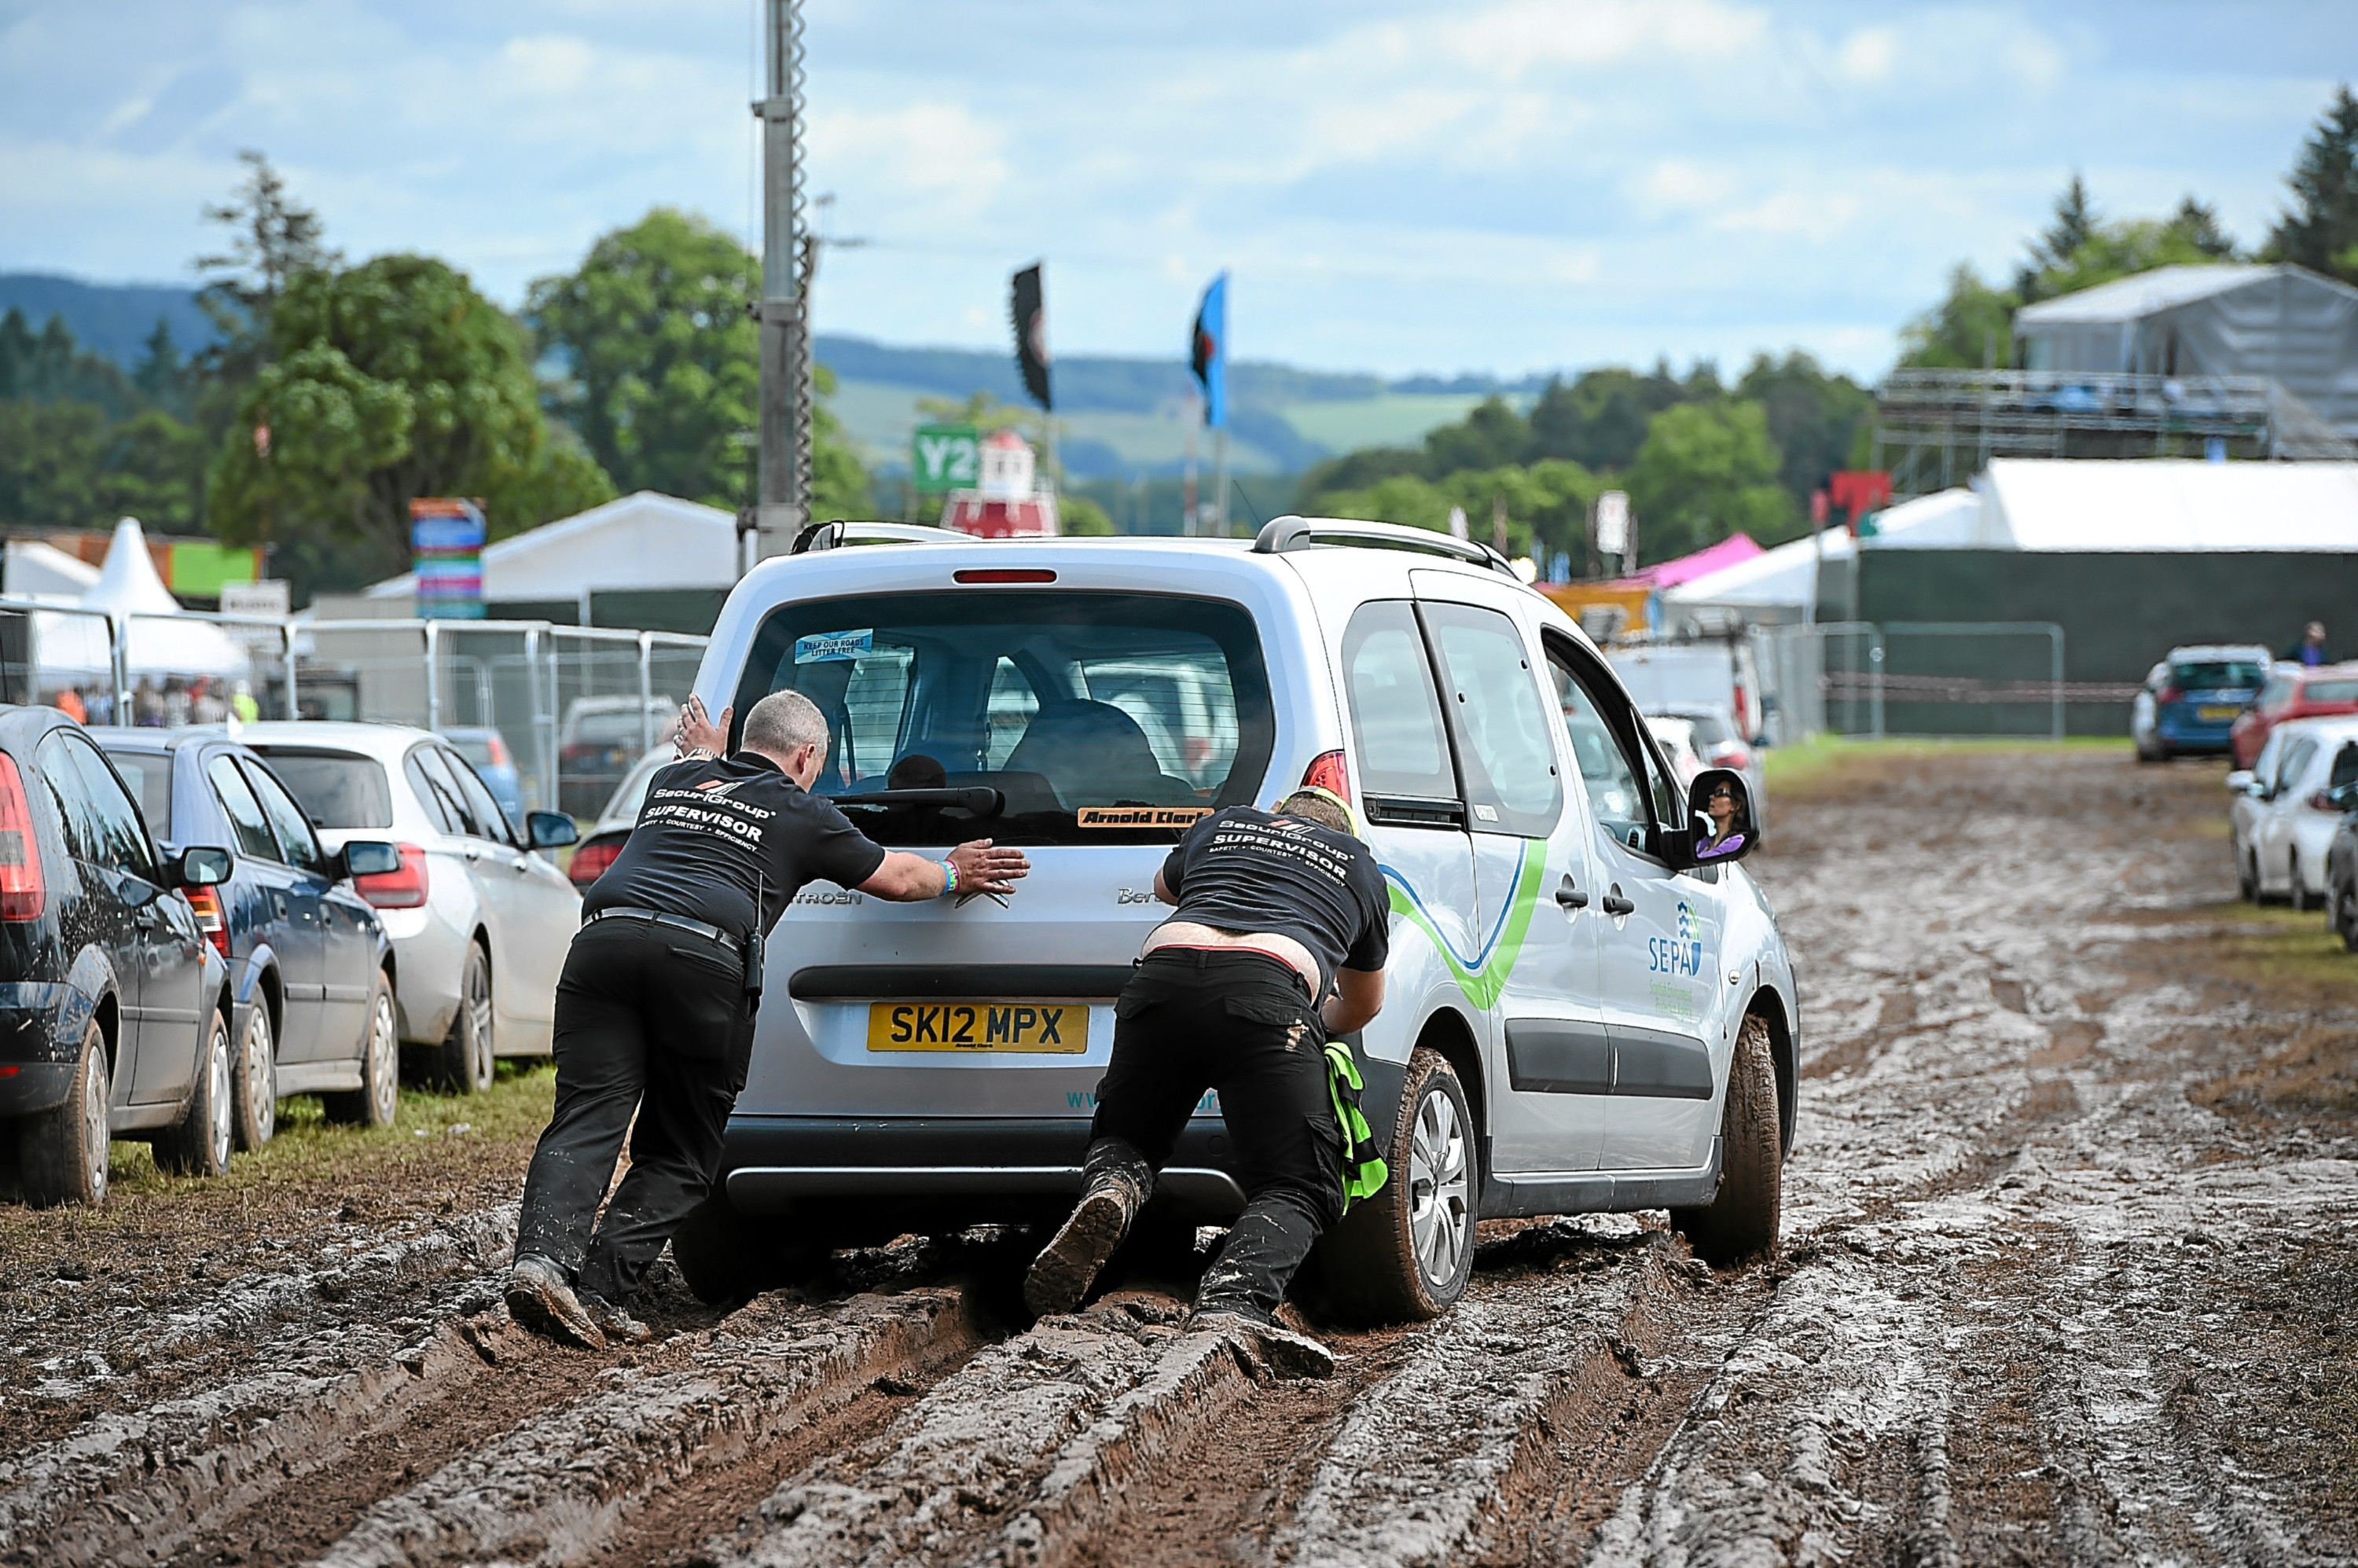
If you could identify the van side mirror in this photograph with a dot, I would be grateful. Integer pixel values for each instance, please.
(1725, 829)
(2242, 781)
(203, 866)
(551, 829)
(369, 857)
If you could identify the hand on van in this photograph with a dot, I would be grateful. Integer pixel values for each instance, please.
(981, 868)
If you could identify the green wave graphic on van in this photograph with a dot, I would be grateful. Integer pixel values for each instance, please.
(1484, 975)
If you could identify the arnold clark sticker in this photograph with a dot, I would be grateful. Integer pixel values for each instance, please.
(825, 647)
(1140, 815)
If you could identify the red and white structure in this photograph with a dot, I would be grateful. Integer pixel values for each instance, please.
(1008, 502)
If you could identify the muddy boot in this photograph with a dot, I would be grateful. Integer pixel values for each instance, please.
(1118, 1184)
(1286, 1353)
(539, 1297)
(613, 1321)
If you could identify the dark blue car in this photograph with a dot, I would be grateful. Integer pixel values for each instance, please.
(311, 970)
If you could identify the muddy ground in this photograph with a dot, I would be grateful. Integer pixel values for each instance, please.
(2070, 1275)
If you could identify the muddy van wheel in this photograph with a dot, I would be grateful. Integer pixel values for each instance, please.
(1742, 1222)
(1404, 1255)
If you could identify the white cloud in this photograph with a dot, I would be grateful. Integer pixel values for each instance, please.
(1866, 56)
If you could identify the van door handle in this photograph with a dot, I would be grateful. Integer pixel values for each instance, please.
(1570, 896)
(1616, 904)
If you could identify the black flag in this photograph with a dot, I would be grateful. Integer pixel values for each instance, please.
(1032, 335)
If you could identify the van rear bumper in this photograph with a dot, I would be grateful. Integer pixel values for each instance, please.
(980, 1167)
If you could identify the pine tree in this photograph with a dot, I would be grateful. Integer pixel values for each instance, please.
(2198, 223)
(162, 374)
(2322, 230)
(2075, 221)
(272, 238)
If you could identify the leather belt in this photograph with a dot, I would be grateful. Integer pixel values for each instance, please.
(677, 921)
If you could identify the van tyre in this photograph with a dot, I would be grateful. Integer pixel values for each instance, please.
(1404, 1255)
(2247, 878)
(199, 1144)
(1742, 1221)
(375, 1103)
(61, 1152)
(254, 1078)
(464, 1063)
(2346, 907)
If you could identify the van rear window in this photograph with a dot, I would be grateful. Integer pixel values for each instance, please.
(1096, 717)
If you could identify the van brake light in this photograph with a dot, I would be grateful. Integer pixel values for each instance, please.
(1328, 771)
(22, 894)
(404, 889)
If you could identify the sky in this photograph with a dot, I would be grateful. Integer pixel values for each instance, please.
(1499, 186)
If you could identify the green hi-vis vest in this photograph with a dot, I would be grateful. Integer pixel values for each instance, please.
(1363, 1172)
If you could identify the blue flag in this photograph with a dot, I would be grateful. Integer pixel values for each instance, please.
(1209, 351)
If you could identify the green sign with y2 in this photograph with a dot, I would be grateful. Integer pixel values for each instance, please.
(945, 457)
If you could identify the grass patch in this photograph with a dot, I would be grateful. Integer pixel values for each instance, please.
(309, 1148)
(1795, 768)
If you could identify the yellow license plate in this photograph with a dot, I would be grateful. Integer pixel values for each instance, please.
(2214, 714)
(1053, 1028)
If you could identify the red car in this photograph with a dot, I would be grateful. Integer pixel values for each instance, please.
(2294, 691)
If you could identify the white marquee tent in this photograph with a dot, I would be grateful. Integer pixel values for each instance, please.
(2166, 503)
(634, 542)
(162, 639)
(1782, 583)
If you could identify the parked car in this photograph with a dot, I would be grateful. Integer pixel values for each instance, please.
(480, 924)
(612, 830)
(2190, 700)
(113, 1007)
(487, 752)
(2293, 691)
(1715, 673)
(1677, 739)
(310, 968)
(601, 737)
(1559, 1035)
(2286, 809)
(1719, 742)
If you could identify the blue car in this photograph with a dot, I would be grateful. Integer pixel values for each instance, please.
(485, 747)
(311, 970)
(2191, 699)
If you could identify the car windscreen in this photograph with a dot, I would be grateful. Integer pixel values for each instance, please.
(2330, 691)
(336, 789)
(150, 778)
(2217, 676)
(1098, 718)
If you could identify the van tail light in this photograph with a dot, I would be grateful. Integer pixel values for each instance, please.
(590, 861)
(206, 903)
(1328, 771)
(404, 889)
(1744, 710)
(22, 894)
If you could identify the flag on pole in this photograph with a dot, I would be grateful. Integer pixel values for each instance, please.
(1030, 310)
(1208, 351)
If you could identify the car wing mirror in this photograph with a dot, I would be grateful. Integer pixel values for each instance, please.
(203, 866)
(369, 857)
(551, 829)
(2243, 781)
(1726, 827)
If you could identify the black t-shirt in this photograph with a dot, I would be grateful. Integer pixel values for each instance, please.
(1242, 870)
(713, 834)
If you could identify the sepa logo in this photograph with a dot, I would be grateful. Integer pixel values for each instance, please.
(1681, 956)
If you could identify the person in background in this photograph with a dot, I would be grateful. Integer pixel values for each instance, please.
(2310, 649)
(242, 703)
(69, 703)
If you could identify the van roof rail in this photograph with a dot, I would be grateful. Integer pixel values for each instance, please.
(1291, 533)
(837, 532)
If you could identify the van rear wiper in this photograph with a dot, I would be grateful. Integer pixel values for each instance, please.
(979, 799)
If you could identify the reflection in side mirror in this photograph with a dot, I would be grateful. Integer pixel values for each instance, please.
(1726, 829)
(202, 867)
(371, 857)
(549, 829)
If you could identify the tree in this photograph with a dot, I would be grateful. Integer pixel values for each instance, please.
(2320, 231)
(1708, 471)
(273, 240)
(1082, 518)
(162, 377)
(2075, 221)
(1813, 418)
(51, 366)
(2198, 223)
(664, 380)
(391, 381)
(1973, 327)
(1599, 420)
(64, 465)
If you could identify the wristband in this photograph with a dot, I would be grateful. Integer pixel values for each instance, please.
(949, 878)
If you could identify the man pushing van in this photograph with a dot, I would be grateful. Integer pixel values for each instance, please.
(1279, 938)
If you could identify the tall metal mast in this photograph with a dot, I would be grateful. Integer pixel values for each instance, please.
(782, 496)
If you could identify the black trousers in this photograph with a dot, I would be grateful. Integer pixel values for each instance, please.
(1242, 1022)
(652, 1023)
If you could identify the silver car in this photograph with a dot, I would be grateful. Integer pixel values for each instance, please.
(1583, 1014)
(479, 924)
